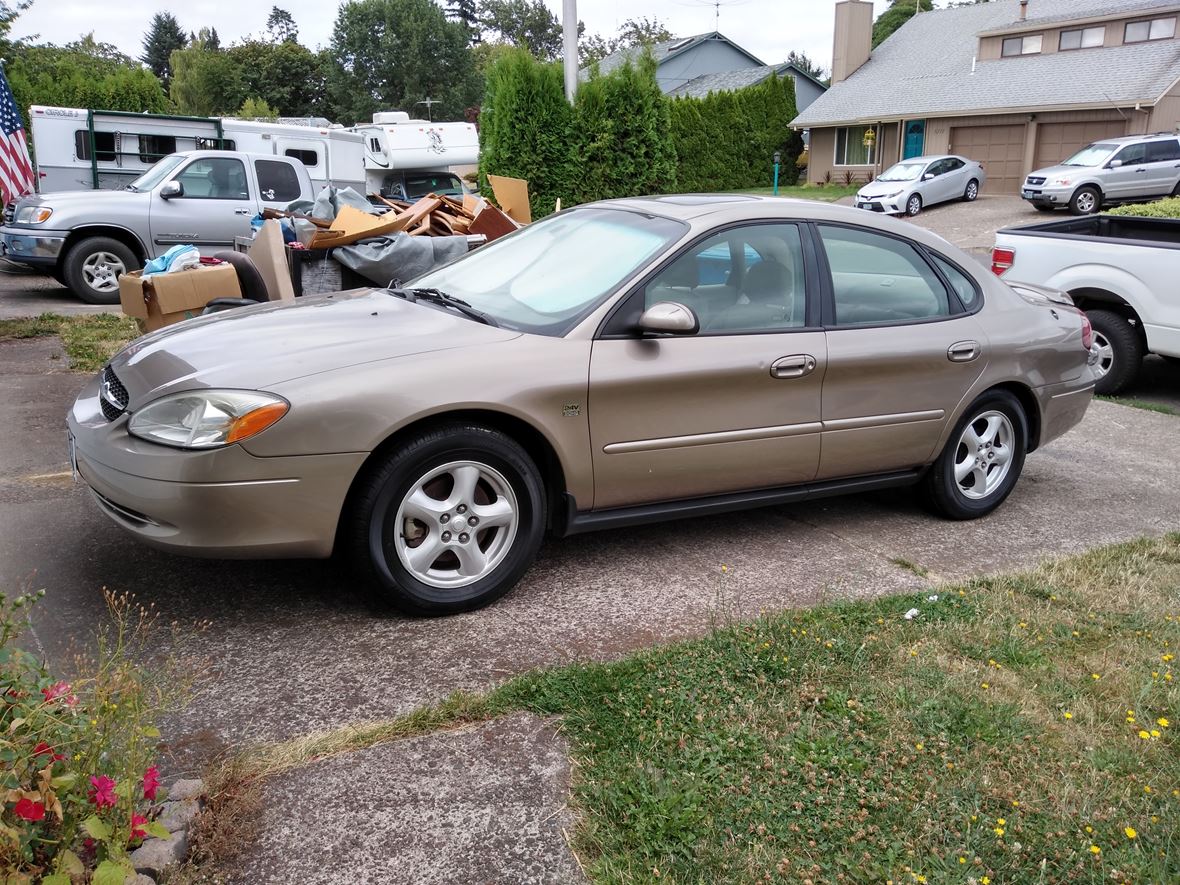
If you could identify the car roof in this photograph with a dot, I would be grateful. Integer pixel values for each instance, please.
(1134, 139)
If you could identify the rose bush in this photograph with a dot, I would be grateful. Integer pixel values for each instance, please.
(78, 777)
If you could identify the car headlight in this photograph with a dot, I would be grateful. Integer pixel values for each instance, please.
(32, 214)
(890, 196)
(206, 419)
(1064, 182)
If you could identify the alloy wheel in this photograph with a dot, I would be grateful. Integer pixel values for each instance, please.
(1105, 355)
(1086, 201)
(914, 205)
(972, 191)
(984, 454)
(102, 270)
(456, 524)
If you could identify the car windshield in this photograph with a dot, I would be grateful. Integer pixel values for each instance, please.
(902, 172)
(546, 276)
(419, 184)
(156, 174)
(1091, 155)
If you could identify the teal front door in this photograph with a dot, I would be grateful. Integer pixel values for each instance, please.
(915, 139)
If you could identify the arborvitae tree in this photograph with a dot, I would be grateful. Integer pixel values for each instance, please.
(164, 35)
(466, 13)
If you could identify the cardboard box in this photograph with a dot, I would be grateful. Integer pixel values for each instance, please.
(168, 298)
(269, 254)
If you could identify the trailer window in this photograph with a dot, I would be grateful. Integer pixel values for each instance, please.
(277, 182)
(104, 145)
(306, 157)
(154, 147)
(215, 144)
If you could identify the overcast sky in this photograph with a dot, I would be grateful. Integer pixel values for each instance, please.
(767, 28)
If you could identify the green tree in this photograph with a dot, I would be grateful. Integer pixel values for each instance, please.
(898, 13)
(206, 82)
(286, 75)
(633, 32)
(256, 109)
(394, 53)
(466, 13)
(163, 37)
(807, 66)
(526, 23)
(281, 26)
(206, 38)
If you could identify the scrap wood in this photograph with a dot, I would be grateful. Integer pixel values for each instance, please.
(455, 206)
(392, 204)
(351, 225)
(269, 213)
(492, 223)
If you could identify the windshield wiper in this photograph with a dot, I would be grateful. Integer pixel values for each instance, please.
(437, 296)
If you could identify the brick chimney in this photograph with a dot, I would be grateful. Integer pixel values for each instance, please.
(854, 38)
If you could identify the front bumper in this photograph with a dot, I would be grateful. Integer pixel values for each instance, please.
(887, 205)
(31, 246)
(217, 503)
(1045, 195)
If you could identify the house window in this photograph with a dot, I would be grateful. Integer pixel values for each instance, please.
(853, 148)
(1156, 29)
(1030, 45)
(1082, 38)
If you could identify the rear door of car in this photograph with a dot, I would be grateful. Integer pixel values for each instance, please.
(734, 407)
(279, 182)
(954, 180)
(903, 350)
(1163, 166)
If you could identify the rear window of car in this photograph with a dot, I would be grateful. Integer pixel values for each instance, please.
(277, 182)
(965, 289)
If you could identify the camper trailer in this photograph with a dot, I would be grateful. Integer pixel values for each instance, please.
(76, 149)
(407, 158)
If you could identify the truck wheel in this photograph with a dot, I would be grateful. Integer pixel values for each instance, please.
(1085, 201)
(1120, 351)
(92, 269)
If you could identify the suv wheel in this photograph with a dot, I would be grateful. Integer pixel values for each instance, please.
(982, 460)
(449, 522)
(1085, 201)
(1120, 351)
(92, 269)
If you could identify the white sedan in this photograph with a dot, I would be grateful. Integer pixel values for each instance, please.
(908, 186)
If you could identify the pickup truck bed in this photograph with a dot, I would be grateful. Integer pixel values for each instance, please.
(1123, 271)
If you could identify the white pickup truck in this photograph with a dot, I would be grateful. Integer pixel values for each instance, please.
(1123, 271)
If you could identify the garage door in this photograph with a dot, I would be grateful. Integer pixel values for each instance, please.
(999, 148)
(1059, 141)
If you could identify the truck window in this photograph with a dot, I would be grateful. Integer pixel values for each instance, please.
(104, 145)
(277, 182)
(304, 156)
(215, 178)
(153, 147)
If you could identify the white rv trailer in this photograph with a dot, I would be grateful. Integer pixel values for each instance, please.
(77, 149)
(408, 158)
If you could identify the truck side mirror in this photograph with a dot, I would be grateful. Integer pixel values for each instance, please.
(172, 189)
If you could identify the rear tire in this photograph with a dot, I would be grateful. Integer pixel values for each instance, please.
(1120, 351)
(426, 493)
(982, 460)
(913, 205)
(93, 266)
(972, 193)
(1085, 201)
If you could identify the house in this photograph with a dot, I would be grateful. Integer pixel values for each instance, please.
(708, 63)
(1015, 84)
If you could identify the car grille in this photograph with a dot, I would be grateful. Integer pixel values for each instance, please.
(1035, 179)
(9, 212)
(112, 395)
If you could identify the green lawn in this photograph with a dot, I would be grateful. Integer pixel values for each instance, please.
(828, 194)
(89, 340)
(1019, 729)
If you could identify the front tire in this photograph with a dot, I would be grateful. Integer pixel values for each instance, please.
(93, 266)
(1120, 352)
(449, 522)
(1085, 201)
(982, 460)
(972, 193)
(913, 205)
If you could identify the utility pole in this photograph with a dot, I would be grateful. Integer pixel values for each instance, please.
(569, 33)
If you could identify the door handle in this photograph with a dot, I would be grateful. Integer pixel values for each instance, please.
(241, 212)
(963, 351)
(1137, 171)
(794, 366)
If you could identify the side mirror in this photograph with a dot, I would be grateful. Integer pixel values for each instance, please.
(669, 318)
(172, 189)
(929, 176)
(1114, 164)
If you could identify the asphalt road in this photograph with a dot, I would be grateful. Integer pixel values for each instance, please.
(293, 650)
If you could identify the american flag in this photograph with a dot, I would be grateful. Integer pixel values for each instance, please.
(16, 167)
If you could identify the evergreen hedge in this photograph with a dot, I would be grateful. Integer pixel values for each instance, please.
(1168, 207)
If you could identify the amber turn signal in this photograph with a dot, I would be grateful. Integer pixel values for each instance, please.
(255, 422)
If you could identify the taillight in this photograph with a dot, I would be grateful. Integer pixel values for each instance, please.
(1087, 332)
(1002, 260)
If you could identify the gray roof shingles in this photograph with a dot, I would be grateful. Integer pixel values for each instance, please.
(726, 81)
(925, 69)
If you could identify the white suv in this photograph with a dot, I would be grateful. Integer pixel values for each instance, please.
(1114, 170)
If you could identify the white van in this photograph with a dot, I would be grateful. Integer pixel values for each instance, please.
(407, 158)
(78, 149)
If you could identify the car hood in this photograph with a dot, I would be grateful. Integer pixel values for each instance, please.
(1062, 171)
(261, 346)
(880, 188)
(61, 201)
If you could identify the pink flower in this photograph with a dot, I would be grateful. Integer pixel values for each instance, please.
(102, 791)
(60, 690)
(29, 810)
(151, 783)
(138, 830)
(43, 749)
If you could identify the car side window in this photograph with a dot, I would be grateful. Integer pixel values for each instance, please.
(215, 178)
(934, 169)
(954, 164)
(878, 279)
(1164, 151)
(748, 279)
(964, 288)
(1132, 154)
(277, 181)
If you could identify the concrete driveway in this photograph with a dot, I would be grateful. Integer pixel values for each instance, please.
(294, 651)
(27, 294)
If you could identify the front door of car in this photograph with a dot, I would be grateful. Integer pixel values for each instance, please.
(1130, 178)
(903, 351)
(735, 406)
(214, 206)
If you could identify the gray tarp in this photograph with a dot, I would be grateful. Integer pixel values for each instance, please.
(400, 257)
(329, 203)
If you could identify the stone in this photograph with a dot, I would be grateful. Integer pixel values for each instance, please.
(178, 815)
(156, 855)
(139, 879)
(186, 789)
